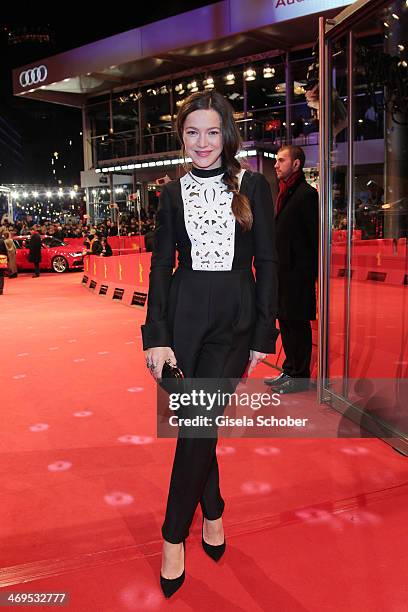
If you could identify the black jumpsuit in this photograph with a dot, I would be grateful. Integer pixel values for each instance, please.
(210, 310)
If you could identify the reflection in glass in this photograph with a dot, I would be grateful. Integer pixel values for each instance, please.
(368, 309)
(338, 264)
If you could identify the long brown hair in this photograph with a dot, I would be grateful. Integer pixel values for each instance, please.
(231, 140)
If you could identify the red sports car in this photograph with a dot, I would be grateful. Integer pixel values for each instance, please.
(55, 255)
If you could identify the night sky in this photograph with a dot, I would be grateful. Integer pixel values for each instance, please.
(46, 128)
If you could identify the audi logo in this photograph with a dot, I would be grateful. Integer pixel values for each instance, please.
(33, 76)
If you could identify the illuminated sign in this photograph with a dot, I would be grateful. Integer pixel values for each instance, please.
(33, 76)
(265, 12)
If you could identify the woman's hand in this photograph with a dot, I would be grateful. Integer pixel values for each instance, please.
(255, 357)
(155, 358)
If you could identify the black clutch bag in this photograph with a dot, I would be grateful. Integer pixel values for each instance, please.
(170, 371)
(172, 379)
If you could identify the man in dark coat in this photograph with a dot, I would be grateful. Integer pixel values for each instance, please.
(297, 231)
(34, 254)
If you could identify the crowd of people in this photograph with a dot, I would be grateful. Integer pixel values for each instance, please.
(95, 238)
(128, 226)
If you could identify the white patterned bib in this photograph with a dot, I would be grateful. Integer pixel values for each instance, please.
(209, 220)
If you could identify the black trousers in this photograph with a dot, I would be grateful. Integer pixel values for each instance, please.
(211, 315)
(1, 280)
(297, 344)
(37, 268)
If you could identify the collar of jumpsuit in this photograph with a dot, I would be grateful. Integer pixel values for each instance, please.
(203, 173)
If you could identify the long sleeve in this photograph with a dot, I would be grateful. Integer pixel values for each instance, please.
(265, 262)
(155, 331)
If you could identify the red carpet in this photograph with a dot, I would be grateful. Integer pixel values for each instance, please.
(311, 524)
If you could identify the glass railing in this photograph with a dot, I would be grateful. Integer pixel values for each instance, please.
(161, 140)
(270, 131)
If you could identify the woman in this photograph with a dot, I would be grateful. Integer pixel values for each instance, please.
(11, 254)
(209, 317)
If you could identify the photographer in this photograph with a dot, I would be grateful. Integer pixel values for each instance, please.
(340, 111)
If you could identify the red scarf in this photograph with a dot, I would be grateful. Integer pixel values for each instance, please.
(284, 187)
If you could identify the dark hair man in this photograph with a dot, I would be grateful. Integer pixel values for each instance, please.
(297, 246)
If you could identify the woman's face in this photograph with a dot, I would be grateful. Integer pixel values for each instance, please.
(202, 138)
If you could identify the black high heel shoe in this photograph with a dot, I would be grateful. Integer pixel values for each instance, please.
(215, 552)
(170, 585)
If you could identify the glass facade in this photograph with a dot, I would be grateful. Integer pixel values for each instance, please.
(140, 121)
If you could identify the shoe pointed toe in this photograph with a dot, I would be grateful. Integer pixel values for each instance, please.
(170, 585)
(215, 552)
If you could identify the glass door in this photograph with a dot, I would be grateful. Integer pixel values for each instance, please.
(363, 365)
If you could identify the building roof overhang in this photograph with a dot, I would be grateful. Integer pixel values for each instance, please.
(220, 32)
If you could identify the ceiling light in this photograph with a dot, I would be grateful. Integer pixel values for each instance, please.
(192, 86)
(268, 72)
(208, 83)
(249, 74)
